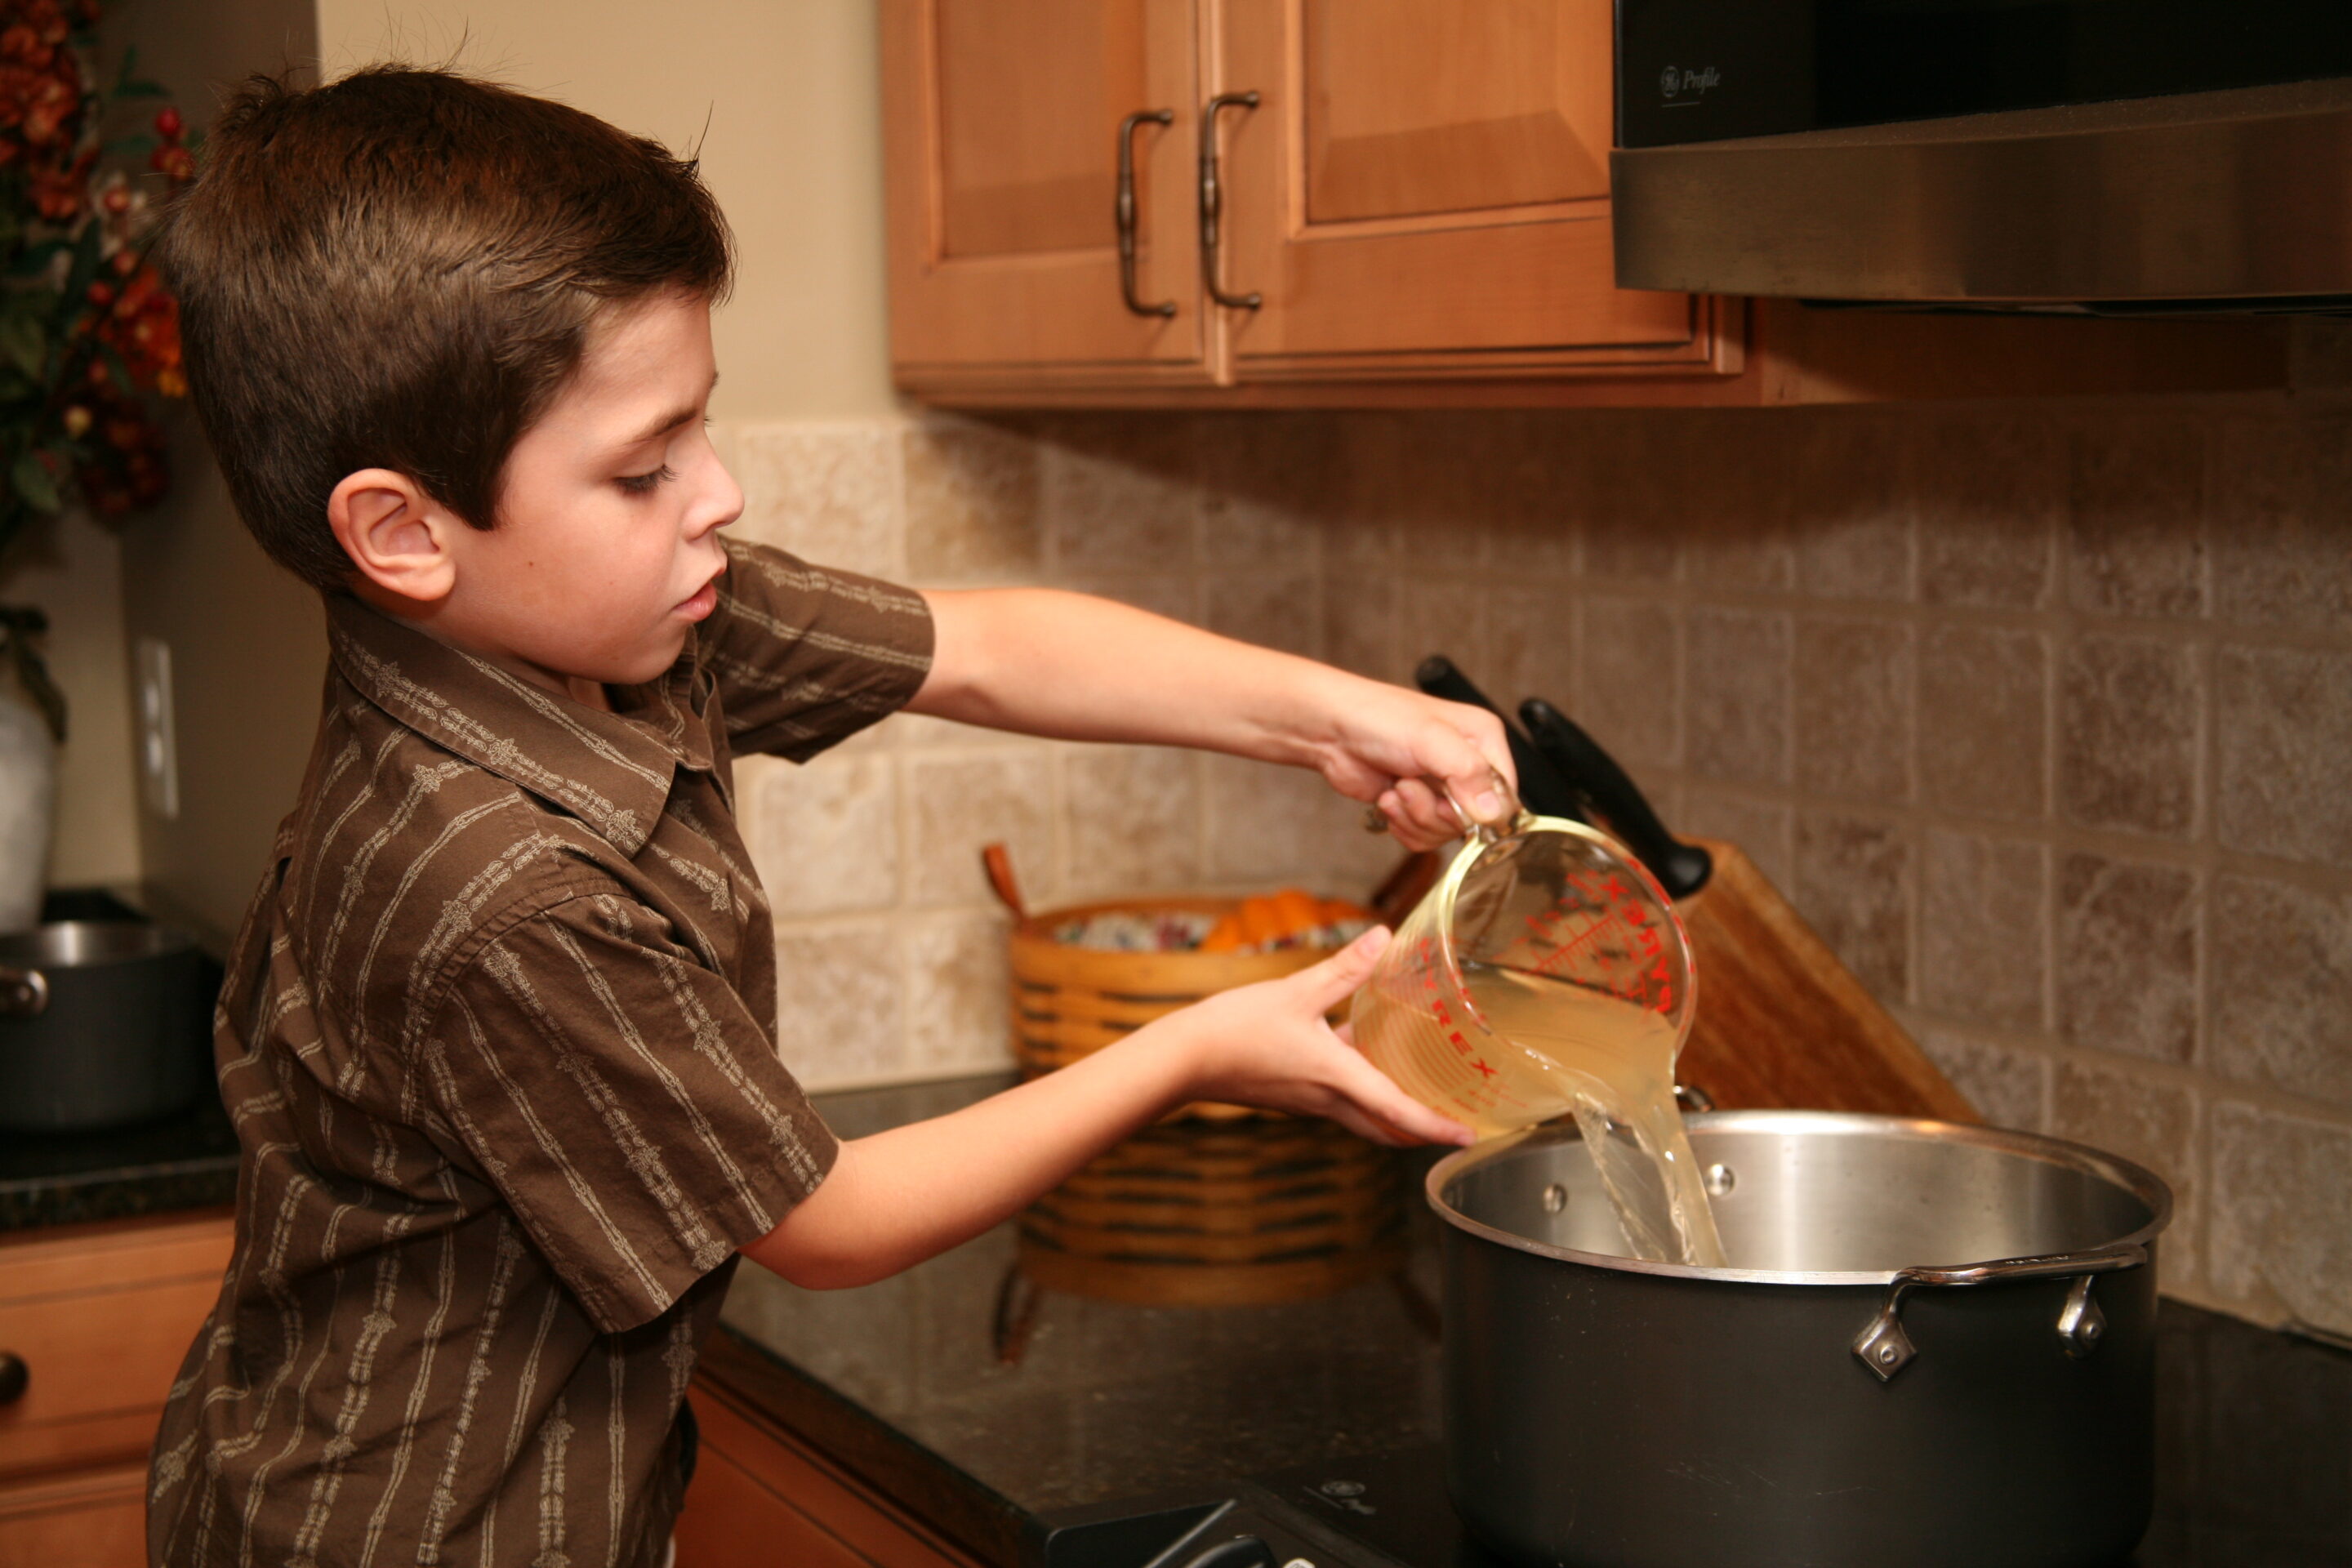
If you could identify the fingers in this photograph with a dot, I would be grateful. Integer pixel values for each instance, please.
(1325, 985)
(1370, 1129)
(1469, 757)
(1460, 774)
(1373, 1094)
(1419, 1123)
(1418, 817)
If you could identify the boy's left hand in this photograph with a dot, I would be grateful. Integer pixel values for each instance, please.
(1268, 1045)
(1433, 767)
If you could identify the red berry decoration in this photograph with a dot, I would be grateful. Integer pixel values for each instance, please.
(75, 221)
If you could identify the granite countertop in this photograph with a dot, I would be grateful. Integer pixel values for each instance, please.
(184, 1161)
(901, 1382)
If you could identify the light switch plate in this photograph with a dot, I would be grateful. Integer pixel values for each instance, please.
(159, 755)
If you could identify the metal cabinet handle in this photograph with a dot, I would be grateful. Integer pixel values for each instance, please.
(14, 1376)
(1126, 209)
(24, 993)
(1213, 201)
(1885, 1349)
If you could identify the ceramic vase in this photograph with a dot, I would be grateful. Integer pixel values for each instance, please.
(28, 793)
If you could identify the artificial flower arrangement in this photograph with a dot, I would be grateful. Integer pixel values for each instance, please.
(88, 330)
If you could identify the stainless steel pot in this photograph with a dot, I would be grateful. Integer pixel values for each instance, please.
(103, 1022)
(1936, 1348)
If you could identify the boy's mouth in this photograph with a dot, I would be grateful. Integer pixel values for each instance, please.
(701, 601)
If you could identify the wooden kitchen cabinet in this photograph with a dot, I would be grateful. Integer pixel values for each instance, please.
(1418, 199)
(1002, 136)
(1420, 190)
(762, 1497)
(100, 1316)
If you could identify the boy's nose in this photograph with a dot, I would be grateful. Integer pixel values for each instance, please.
(722, 506)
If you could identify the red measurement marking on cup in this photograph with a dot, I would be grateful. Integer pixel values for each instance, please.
(1575, 945)
(1452, 1035)
(1637, 944)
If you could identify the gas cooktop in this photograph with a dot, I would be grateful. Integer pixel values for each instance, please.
(1391, 1512)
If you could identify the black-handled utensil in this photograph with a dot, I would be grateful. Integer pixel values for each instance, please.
(1542, 788)
(1681, 868)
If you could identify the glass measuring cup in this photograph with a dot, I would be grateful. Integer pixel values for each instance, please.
(1545, 974)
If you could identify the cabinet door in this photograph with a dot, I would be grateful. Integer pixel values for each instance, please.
(759, 1498)
(100, 1316)
(1001, 127)
(88, 1518)
(1423, 190)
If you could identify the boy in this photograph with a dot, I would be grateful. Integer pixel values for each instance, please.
(497, 1033)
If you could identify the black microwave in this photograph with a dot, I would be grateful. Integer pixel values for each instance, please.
(2098, 154)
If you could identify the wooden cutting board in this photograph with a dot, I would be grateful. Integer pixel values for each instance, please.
(1781, 1022)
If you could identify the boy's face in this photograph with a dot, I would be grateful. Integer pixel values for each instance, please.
(607, 548)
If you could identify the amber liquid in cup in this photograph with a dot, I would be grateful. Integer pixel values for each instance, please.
(1545, 974)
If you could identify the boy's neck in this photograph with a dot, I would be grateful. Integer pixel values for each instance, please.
(579, 688)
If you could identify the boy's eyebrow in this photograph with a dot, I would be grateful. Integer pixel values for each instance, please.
(671, 421)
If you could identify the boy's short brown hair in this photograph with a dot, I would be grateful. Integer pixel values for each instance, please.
(399, 270)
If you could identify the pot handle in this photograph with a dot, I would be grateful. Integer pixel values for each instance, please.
(24, 993)
(1885, 1349)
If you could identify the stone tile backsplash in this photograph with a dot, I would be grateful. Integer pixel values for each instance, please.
(2043, 714)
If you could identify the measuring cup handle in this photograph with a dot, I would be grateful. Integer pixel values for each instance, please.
(1484, 832)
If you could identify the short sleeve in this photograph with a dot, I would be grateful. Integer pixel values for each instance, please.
(804, 656)
(622, 1101)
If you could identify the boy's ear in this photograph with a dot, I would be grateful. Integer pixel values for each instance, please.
(395, 534)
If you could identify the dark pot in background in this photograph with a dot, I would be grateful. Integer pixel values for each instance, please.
(103, 1022)
(1828, 1403)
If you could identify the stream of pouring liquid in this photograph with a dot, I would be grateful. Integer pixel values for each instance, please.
(1613, 1062)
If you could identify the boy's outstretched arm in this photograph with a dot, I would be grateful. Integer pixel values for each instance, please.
(1067, 665)
(899, 1198)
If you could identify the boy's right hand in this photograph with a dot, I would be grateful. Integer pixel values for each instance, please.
(1268, 1045)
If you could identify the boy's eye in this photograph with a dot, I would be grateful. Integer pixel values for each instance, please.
(642, 484)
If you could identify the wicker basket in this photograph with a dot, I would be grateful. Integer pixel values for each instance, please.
(1218, 1204)
(1200, 1213)
(1070, 1002)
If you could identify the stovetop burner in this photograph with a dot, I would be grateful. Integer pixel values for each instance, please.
(1386, 1512)
(1393, 1512)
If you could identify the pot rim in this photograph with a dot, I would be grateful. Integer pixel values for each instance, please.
(2140, 1182)
(82, 946)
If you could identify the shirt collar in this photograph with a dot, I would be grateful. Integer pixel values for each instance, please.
(613, 771)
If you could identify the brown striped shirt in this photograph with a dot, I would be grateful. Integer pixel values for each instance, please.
(497, 1037)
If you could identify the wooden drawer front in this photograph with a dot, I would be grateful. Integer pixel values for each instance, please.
(101, 1320)
(97, 1519)
(759, 1499)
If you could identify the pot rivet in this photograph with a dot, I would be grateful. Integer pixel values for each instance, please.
(1720, 1179)
(1888, 1355)
(1555, 1198)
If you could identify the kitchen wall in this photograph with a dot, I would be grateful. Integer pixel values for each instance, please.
(782, 104)
(247, 643)
(2042, 713)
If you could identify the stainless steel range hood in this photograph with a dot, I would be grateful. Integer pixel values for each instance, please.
(2237, 201)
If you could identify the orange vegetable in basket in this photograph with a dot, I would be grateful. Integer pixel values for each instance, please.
(1270, 918)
